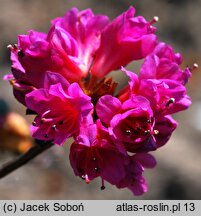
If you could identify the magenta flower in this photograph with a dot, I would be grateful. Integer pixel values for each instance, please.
(163, 63)
(60, 75)
(165, 126)
(95, 155)
(60, 109)
(77, 36)
(132, 36)
(166, 96)
(77, 44)
(130, 123)
(133, 179)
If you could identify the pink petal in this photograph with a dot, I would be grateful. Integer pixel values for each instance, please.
(107, 107)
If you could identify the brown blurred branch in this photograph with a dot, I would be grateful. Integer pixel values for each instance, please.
(11, 166)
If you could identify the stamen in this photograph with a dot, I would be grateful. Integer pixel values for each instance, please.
(156, 132)
(10, 47)
(83, 177)
(87, 179)
(44, 120)
(103, 186)
(20, 53)
(151, 27)
(128, 132)
(96, 89)
(46, 135)
(195, 66)
(54, 127)
(45, 113)
(149, 121)
(154, 20)
(34, 123)
(170, 101)
(15, 46)
(94, 159)
(96, 169)
(147, 132)
(107, 85)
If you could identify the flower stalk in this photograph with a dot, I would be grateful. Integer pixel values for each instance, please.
(23, 159)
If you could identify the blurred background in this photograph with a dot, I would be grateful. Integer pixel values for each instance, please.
(49, 176)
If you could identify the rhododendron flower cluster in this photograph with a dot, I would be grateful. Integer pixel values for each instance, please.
(61, 77)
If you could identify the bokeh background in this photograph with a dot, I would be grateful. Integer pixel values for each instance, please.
(49, 176)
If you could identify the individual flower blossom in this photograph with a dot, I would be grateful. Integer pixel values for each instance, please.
(133, 179)
(94, 155)
(166, 96)
(165, 126)
(130, 123)
(163, 63)
(79, 43)
(77, 36)
(132, 36)
(60, 109)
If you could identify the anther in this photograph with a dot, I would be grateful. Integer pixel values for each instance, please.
(15, 46)
(170, 101)
(46, 135)
(54, 127)
(83, 177)
(154, 20)
(20, 53)
(42, 120)
(148, 121)
(87, 179)
(128, 132)
(34, 123)
(151, 27)
(102, 187)
(147, 132)
(195, 66)
(96, 169)
(10, 47)
(156, 132)
(107, 85)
